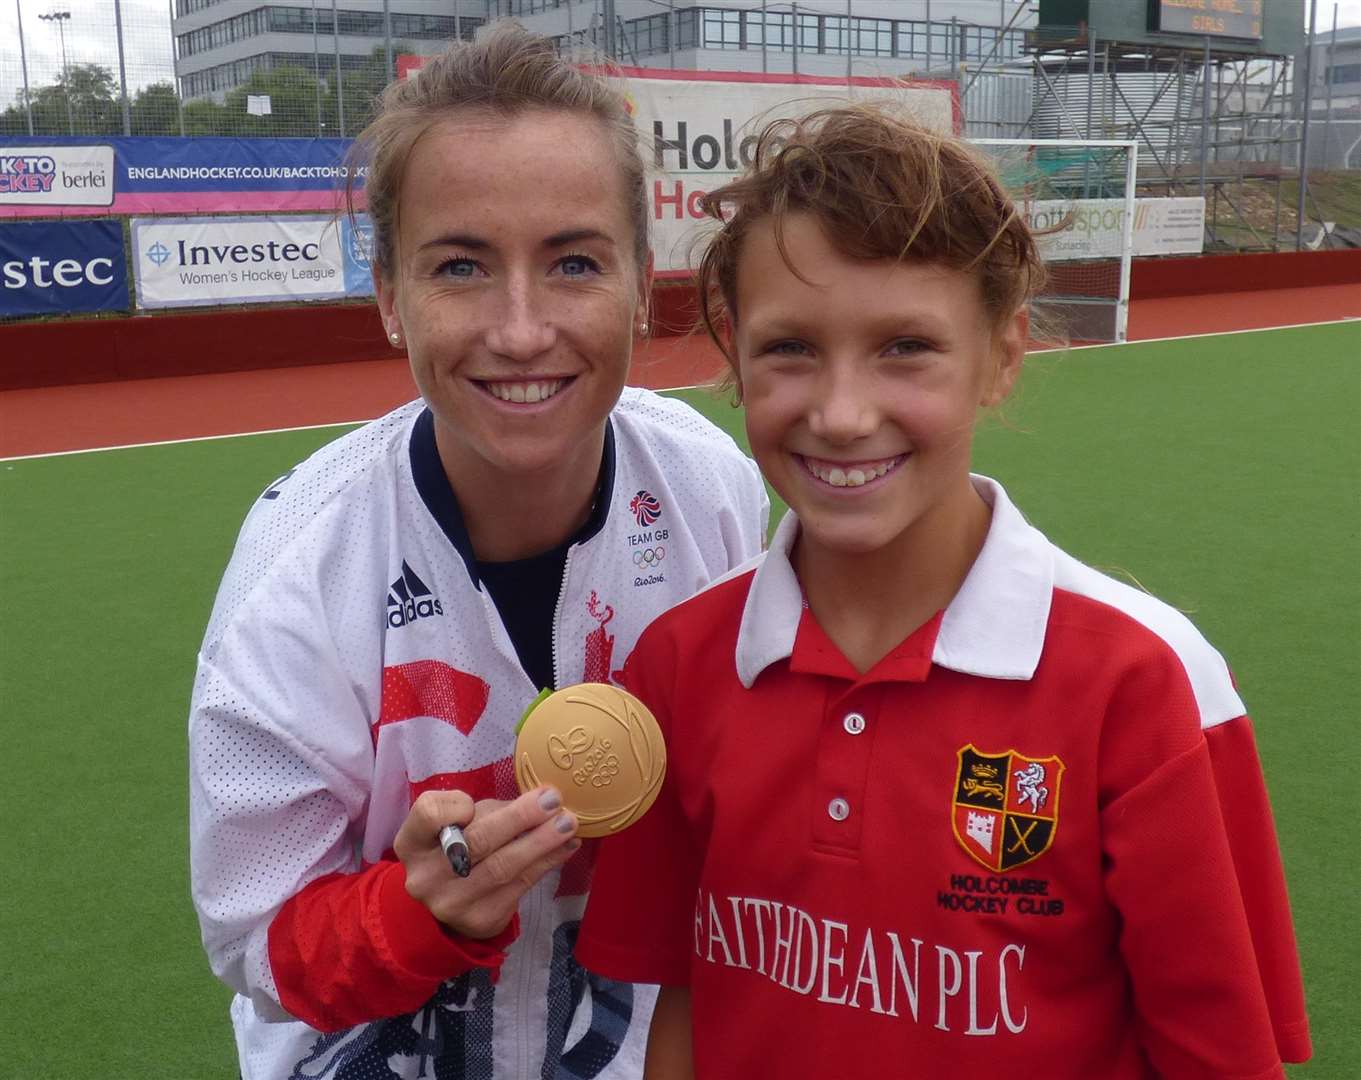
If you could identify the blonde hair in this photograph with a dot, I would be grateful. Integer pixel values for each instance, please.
(883, 187)
(506, 71)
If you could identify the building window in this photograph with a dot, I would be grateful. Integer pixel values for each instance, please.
(808, 32)
(872, 37)
(687, 29)
(1344, 73)
(775, 30)
(835, 34)
(647, 36)
(723, 30)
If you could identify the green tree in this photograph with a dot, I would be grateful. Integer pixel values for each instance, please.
(155, 110)
(91, 93)
(361, 88)
(293, 94)
(204, 118)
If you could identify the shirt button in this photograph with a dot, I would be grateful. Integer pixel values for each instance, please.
(854, 723)
(838, 809)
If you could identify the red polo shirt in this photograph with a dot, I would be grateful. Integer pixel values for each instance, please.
(1034, 838)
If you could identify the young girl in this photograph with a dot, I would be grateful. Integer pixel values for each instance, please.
(940, 797)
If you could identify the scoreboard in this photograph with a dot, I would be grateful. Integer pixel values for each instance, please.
(1215, 18)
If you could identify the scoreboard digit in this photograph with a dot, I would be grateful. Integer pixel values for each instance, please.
(1216, 18)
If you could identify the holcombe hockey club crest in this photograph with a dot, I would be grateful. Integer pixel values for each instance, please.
(1006, 806)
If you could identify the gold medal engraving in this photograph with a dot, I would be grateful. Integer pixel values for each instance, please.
(600, 747)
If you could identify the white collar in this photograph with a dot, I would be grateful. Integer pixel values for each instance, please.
(994, 627)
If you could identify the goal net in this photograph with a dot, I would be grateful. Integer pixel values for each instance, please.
(1081, 194)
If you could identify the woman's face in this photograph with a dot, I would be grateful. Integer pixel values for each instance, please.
(515, 289)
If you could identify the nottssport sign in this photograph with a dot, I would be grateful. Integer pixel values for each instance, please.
(73, 176)
(193, 262)
(61, 267)
(1095, 227)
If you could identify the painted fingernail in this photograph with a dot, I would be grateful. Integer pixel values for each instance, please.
(550, 800)
(573, 844)
(565, 822)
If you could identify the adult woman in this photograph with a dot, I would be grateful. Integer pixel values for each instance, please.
(393, 606)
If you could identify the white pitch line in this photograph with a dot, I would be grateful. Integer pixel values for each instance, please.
(699, 386)
(240, 434)
(1213, 333)
(192, 439)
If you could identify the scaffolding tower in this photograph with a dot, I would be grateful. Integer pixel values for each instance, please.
(1212, 121)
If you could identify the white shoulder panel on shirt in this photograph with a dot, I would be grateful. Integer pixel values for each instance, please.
(336, 476)
(1209, 674)
(674, 417)
(736, 572)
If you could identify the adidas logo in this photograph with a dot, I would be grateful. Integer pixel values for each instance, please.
(409, 599)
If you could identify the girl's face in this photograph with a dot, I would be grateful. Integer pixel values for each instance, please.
(516, 290)
(862, 385)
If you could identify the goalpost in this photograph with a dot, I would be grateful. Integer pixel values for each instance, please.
(1080, 192)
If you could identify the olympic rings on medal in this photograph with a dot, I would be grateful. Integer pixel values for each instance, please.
(649, 556)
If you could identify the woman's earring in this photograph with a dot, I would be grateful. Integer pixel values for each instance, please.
(395, 338)
(642, 329)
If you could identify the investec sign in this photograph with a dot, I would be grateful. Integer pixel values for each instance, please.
(56, 175)
(188, 262)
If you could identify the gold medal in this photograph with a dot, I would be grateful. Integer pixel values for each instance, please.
(600, 747)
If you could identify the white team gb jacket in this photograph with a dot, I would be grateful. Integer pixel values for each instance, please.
(351, 662)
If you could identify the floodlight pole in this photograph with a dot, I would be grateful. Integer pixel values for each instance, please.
(340, 85)
(122, 66)
(316, 66)
(23, 60)
(1304, 135)
(387, 40)
(174, 51)
(765, 36)
(1328, 82)
(849, 54)
(607, 13)
(60, 17)
(1205, 117)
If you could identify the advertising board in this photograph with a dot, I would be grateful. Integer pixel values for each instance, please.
(36, 176)
(1215, 18)
(698, 131)
(136, 175)
(1170, 226)
(62, 267)
(198, 261)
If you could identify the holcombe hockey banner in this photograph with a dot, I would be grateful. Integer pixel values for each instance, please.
(191, 262)
(697, 130)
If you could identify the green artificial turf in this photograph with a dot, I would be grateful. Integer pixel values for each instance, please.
(1222, 473)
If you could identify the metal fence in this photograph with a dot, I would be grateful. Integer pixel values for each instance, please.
(107, 67)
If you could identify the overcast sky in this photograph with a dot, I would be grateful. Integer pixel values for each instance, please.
(91, 37)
